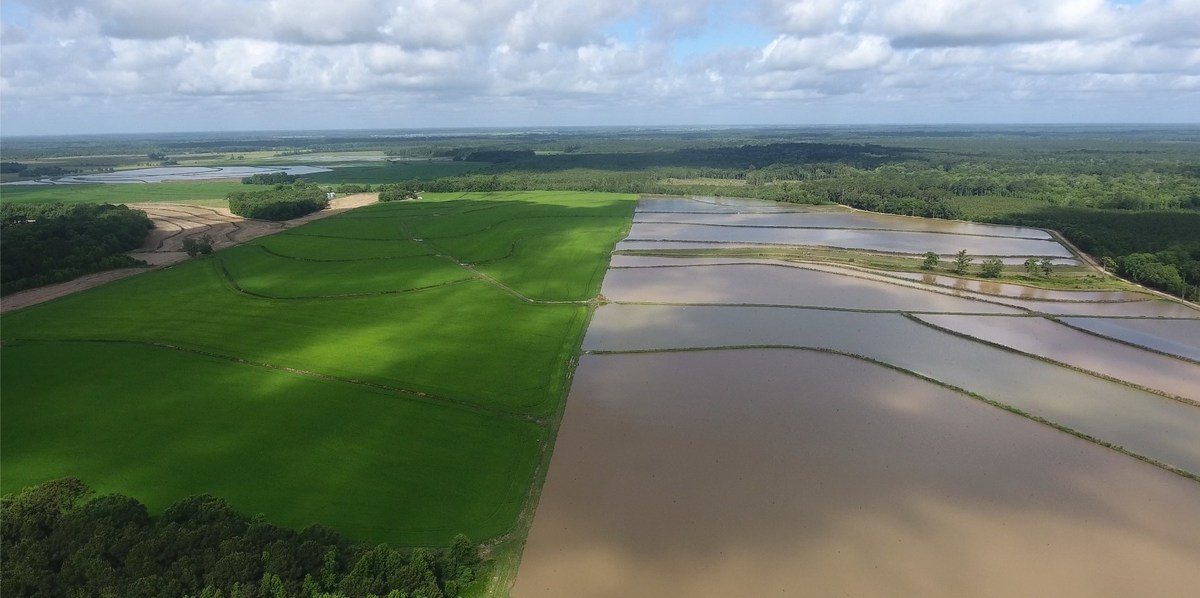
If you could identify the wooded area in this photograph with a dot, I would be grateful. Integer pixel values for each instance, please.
(42, 244)
(283, 202)
(60, 539)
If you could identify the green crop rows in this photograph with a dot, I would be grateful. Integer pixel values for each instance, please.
(390, 372)
(205, 193)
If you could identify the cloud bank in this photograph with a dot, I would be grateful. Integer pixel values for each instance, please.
(108, 64)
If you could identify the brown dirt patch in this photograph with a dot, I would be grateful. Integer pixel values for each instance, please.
(174, 222)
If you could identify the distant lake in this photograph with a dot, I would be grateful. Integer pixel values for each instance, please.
(175, 173)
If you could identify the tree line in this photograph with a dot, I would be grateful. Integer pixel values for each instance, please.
(1160, 249)
(1139, 213)
(60, 539)
(42, 244)
(283, 202)
(269, 178)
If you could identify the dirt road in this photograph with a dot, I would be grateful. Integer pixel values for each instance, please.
(174, 222)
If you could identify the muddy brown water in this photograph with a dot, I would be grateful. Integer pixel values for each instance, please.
(846, 219)
(1177, 337)
(785, 471)
(1042, 337)
(911, 242)
(768, 284)
(1145, 423)
(782, 473)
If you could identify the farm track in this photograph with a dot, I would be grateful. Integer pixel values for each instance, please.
(439, 252)
(173, 223)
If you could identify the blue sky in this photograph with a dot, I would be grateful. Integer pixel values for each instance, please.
(93, 66)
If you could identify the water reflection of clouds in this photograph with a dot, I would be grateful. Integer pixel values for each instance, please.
(764, 471)
(843, 220)
(910, 242)
(1177, 337)
(182, 173)
(721, 471)
(1051, 340)
(1140, 421)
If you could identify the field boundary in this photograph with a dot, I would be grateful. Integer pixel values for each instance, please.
(1195, 477)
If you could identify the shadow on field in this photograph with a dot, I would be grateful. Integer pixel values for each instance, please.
(395, 416)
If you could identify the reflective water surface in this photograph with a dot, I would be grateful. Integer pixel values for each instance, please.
(765, 284)
(1042, 337)
(714, 445)
(844, 219)
(1145, 423)
(902, 241)
(1177, 337)
(778, 472)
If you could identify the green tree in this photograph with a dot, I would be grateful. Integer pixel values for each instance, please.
(198, 246)
(1047, 267)
(962, 261)
(1031, 266)
(991, 268)
(931, 261)
(272, 587)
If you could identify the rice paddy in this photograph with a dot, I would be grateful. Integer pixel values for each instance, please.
(376, 372)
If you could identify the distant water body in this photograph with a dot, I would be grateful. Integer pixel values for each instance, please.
(174, 173)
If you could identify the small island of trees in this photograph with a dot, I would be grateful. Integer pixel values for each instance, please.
(283, 202)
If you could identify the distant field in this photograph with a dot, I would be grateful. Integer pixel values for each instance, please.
(358, 378)
(982, 208)
(205, 193)
(392, 172)
(213, 192)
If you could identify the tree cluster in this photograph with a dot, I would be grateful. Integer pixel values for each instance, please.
(198, 246)
(398, 192)
(59, 539)
(1160, 248)
(283, 202)
(269, 178)
(42, 244)
(26, 171)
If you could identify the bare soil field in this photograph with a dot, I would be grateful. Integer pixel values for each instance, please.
(174, 222)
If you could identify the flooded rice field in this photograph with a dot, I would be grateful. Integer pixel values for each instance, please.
(1176, 337)
(179, 173)
(777, 472)
(764, 284)
(892, 241)
(1146, 423)
(1045, 338)
(752, 427)
(843, 218)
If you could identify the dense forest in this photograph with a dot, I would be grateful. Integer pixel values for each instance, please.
(283, 202)
(42, 244)
(60, 539)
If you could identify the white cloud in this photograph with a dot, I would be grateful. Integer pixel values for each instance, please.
(836, 52)
(564, 54)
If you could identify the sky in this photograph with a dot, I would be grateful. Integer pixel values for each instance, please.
(139, 66)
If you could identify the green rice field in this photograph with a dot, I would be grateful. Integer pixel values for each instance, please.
(393, 172)
(392, 372)
(202, 193)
